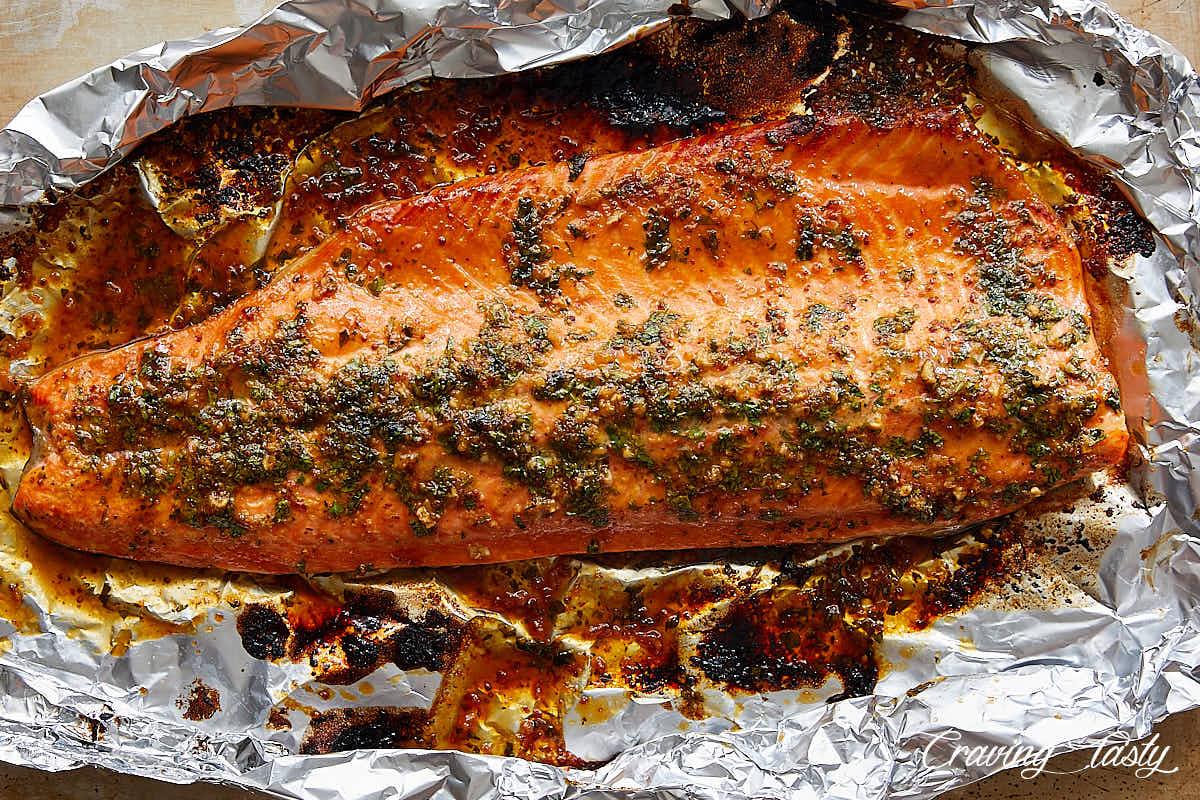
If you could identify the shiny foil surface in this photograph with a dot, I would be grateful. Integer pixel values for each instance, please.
(1090, 643)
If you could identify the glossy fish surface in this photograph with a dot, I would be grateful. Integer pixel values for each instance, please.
(806, 329)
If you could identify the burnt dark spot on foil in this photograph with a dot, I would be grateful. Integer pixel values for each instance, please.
(200, 703)
(697, 75)
(1129, 233)
(277, 720)
(429, 645)
(348, 642)
(238, 162)
(973, 571)
(361, 653)
(858, 678)
(651, 675)
(1114, 230)
(747, 69)
(776, 641)
(647, 623)
(639, 104)
(828, 621)
(96, 728)
(380, 727)
(264, 632)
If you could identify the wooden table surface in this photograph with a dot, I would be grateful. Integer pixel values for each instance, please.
(46, 42)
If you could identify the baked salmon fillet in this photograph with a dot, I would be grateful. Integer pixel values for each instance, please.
(797, 330)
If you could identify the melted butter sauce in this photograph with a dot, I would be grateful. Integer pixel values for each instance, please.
(669, 625)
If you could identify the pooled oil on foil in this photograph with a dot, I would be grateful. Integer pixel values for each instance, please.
(338, 686)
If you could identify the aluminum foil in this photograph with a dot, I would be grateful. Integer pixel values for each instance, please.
(1078, 657)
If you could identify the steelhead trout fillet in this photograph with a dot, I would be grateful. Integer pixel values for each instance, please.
(798, 330)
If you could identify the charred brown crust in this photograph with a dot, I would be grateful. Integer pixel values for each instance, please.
(200, 703)
(232, 160)
(820, 618)
(1119, 231)
(344, 643)
(813, 625)
(378, 727)
(264, 631)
